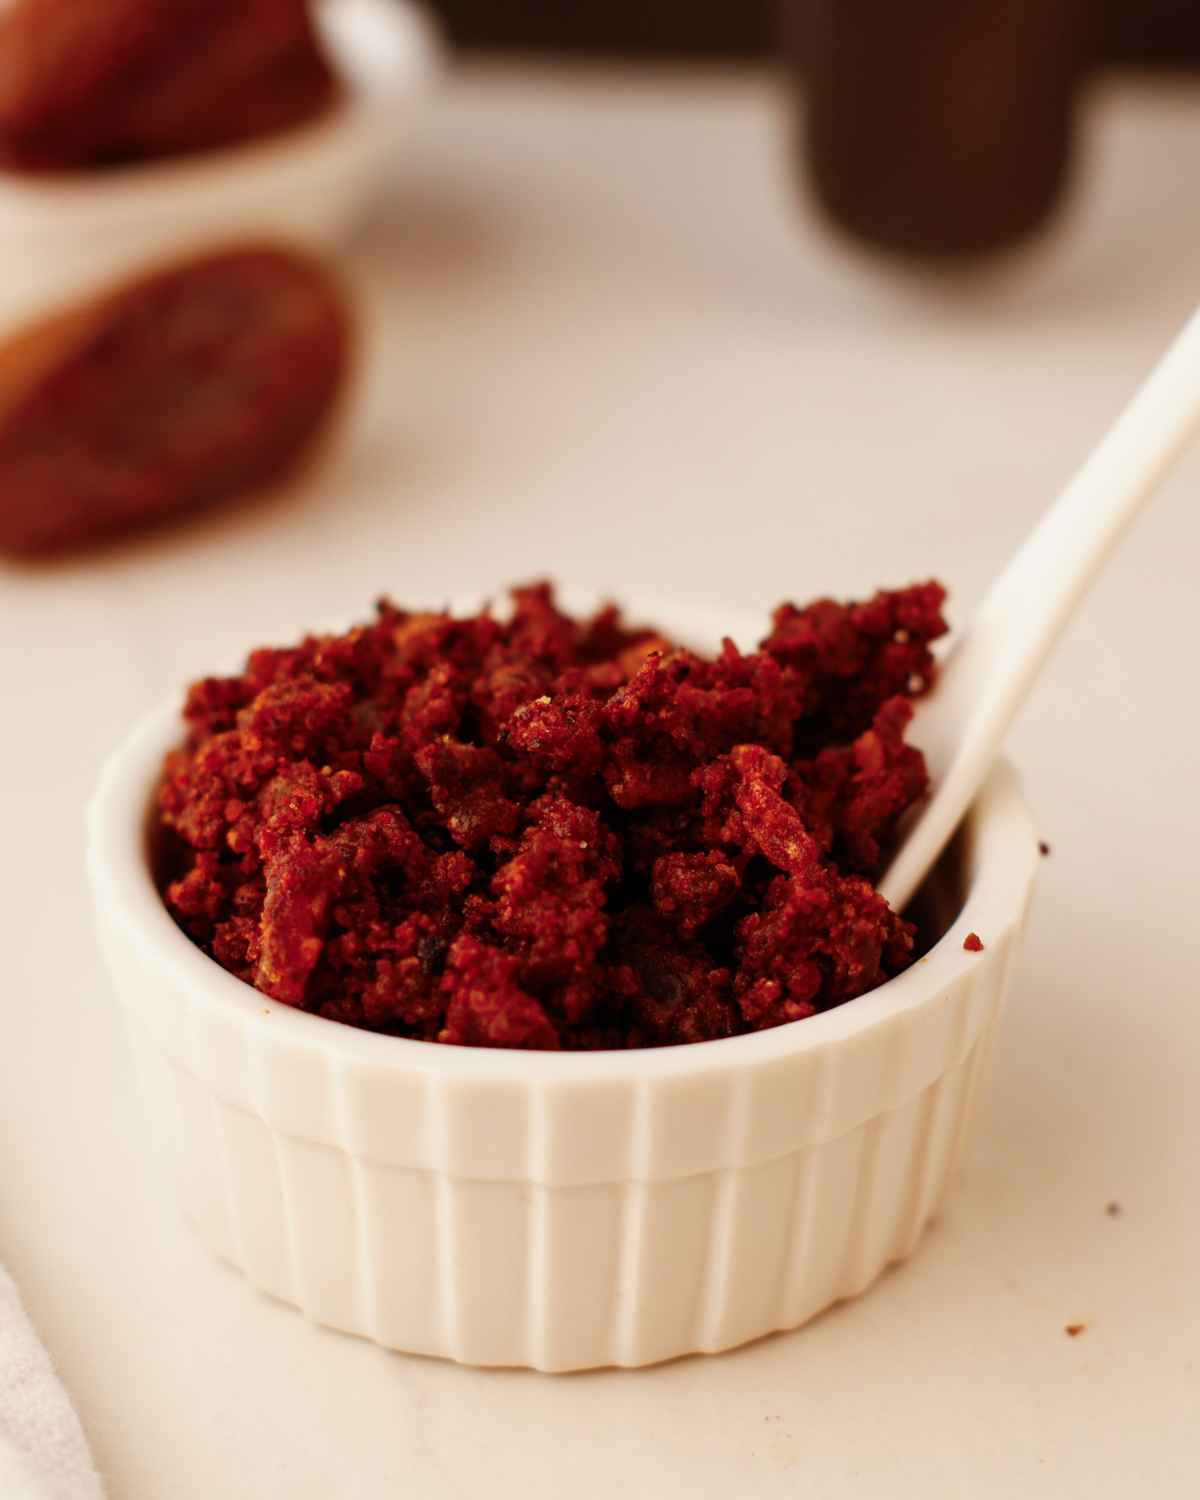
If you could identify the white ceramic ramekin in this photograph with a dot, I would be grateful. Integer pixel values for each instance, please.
(64, 235)
(558, 1211)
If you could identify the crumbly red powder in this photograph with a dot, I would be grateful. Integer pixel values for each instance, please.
(973, 943)
(553, 833)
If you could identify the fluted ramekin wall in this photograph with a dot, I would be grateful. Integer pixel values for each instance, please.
(561, 1276)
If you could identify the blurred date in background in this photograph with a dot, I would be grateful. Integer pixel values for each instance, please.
(936, 127)
(933, 129)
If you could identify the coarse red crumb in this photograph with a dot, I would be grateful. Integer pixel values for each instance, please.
(973, 943)
(1043, 847)
(1073, 1330)
(554, 833)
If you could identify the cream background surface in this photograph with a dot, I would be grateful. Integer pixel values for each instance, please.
(609, 343)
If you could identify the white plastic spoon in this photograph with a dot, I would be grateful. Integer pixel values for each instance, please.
(996, 660)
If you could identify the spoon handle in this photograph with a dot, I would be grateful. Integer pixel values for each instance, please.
(995, 662)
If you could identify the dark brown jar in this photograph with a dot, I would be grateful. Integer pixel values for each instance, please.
(937, 127)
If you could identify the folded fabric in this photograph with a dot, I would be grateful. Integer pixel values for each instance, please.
(43, 1452)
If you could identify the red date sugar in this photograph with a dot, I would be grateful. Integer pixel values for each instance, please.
(549, 833)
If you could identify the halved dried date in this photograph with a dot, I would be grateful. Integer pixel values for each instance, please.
(94, 82)
(184, 388)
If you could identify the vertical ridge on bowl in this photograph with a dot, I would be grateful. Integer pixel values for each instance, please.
(366, 1266)
(536, 1282)
(986, 991)
(935, 1149)
(798, 1241)
(716, 1287)
(532, 1284)
(757, 1243)
(861, 1249)
(444, 1290)
(285, 1283)
(910, 1221)
(631, 1231)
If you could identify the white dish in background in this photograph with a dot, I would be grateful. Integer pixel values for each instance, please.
(556, 1210)
(65, 234)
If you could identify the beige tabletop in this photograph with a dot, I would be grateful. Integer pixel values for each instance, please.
(611, 345)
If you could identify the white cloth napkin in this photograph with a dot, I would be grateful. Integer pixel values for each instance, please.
(43, 1452)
